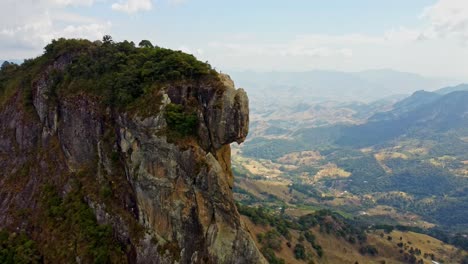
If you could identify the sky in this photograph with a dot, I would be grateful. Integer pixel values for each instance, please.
(428, 37)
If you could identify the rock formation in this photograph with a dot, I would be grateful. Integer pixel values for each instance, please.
(167, 198)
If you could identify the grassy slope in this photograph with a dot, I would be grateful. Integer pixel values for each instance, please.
(340, 251)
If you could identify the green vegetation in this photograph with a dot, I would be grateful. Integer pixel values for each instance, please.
(271, 242)
(311, 239)
(431, 190)
(123, 72)
(117, 72)
(270, 256)
(369, 250)
(181, 121)
(271, 149)
(299, 251)
(262, 216)
(271, 239)
(459, 240)
(72, 220)
(408, 167)
(281, 224)
(17, 248)
(8, 80)
(309, 190)
(332, 223)
(326, 221)
(145, 44)
(352, 232)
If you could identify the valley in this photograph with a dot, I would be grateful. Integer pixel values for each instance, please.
(400, 165)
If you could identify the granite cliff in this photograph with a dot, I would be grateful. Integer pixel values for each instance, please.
(90, 177)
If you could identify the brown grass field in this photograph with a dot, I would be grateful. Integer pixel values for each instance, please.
(338, 251)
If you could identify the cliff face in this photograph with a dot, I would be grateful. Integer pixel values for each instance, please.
(167, 198)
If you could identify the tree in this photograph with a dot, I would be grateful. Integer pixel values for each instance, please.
(5, 65)
(369, 250)
(145, 44)
(270, 239)
(8, 66)
(180, 121)
(107, 39)
(299, 251)
(269, 254)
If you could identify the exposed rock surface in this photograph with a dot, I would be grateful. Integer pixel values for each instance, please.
(179, 191)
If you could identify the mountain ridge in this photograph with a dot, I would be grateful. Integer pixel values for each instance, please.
(335, 85)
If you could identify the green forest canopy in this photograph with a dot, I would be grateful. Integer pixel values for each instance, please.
(117, 72)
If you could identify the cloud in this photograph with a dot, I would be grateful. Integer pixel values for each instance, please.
(347, 53)
(26, 26)
(447, 18)
(176, 2)
(400, 48)
(431, 48)
(37, 34)
(68, 17)
(133, 6)
(306, 45)
(402, 35)
(87, 31)
(71, 2)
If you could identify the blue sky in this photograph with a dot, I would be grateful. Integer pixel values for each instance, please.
(274, 19)
(429, 37)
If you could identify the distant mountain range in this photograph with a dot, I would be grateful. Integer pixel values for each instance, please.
(417, 99)
(421, 113)
(311, 86)
(446, 90)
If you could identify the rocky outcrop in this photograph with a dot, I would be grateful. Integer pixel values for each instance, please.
(178, 190)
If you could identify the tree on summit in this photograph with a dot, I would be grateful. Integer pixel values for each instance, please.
(145, 44)
(107, 39)
(6, 65)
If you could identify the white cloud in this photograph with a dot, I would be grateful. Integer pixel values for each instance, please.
(27, 26)
(433, 48)
(68, 17)
(312, 46)
(133, 6)
(402, 35)
(87, 31)
(399, 48)
(35, 35)
(448, 18)
(71, 2)
(347, 53)
(176, 2)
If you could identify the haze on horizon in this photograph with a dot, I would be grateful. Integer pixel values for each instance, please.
(427, 37)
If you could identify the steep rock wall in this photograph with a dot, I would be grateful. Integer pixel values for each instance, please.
(176, 190)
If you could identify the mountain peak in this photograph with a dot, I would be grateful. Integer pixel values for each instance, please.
(126, 151)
